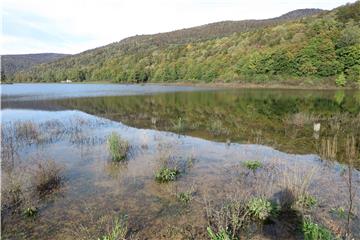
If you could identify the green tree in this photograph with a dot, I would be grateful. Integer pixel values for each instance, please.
(349, 36)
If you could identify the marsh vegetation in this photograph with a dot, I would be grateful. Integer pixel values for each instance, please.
(72, 175)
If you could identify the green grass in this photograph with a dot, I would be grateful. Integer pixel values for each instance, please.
(221, 235)
(312, 231)
(119, 230)
(118, 147)
(261, 208)
(253, 165)
(166, 175)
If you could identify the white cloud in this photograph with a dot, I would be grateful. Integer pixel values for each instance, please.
(99, 22)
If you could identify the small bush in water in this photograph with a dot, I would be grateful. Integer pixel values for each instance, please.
(261, 208)
(118, 147)
(166, 175)
(252, 165)
(313, 231)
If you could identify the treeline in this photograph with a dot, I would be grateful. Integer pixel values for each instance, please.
(324, 47)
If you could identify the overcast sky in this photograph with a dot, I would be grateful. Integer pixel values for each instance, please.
(72, 26)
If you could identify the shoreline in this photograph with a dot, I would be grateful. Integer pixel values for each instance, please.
(218, 85)
(238, 85)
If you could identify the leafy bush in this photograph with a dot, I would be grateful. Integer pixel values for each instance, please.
(313, 231)
(261, 208)
(118, 147)
(166, 175)
(340, 80)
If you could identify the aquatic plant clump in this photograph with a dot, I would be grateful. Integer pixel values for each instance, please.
(118, 147)
(261, 208)
(184, 197)
(166, 175)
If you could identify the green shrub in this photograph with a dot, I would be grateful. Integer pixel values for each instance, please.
(252, 165)
(261, 208)
(119, 230)
(166, 175)
(313, 231)
(118, 147)
(221, 235)
(340, 80)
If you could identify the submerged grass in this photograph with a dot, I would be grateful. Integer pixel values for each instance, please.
(118, 147)
(47, 176)
(185, 197)
(118, 231)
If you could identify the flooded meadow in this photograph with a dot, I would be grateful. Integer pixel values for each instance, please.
(168, 162)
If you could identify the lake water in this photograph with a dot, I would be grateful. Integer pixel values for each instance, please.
(208, 134)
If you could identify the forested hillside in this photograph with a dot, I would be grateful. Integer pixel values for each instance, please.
(10, 64)
(297, 47)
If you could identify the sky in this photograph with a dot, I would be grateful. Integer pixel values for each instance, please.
(73, 26)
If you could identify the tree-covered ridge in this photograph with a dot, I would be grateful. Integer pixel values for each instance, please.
(326, 47)
(10, 64)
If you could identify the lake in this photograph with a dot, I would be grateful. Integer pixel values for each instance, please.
(228, 146)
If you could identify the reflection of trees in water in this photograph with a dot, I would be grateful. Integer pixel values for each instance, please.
(281, 119)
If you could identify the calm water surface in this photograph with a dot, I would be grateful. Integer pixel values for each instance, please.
(206, 134)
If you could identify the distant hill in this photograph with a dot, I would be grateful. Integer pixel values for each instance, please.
(300, 13)
(10, 64)
(302, 45)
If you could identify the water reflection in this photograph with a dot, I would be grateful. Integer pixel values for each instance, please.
(283, 119)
